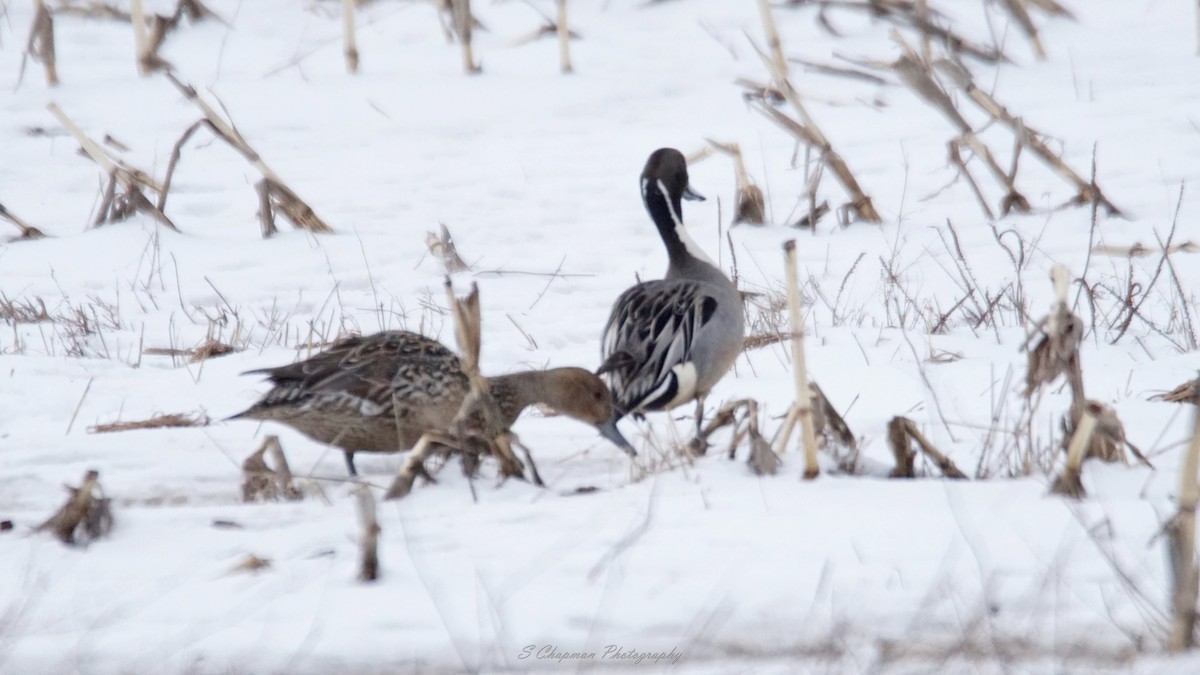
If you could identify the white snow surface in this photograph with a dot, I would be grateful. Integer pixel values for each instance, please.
(535, 171)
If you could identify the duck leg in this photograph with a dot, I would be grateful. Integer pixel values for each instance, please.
(350, 462)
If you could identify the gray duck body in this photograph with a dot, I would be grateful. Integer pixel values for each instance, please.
(669, 341)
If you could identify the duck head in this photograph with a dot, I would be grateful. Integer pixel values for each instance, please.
(582, 395)
(666, 175)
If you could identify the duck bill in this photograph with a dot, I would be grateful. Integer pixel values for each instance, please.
(610, 431)
(691, 195)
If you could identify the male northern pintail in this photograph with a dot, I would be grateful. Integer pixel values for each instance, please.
(670, 341)
(380, 393)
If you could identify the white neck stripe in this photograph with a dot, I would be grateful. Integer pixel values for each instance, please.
(691, 246)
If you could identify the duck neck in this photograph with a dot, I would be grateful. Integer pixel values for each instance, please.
(516, 392)
(686, 257)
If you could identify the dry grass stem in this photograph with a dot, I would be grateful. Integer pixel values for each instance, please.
(27, 231)
(349, 42)
(1068, 483)
(158, 421)
(116, 206)
(274, 195)
(368, 569)
(1181, 548)
(209, 348)
(86, 516)
(1139, 250)
(261, 482)
(40, 46)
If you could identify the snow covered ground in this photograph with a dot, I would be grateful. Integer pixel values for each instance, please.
(699, 561)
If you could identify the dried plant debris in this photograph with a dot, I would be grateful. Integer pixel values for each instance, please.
(116, 205)
(1069, 483)
(476, 432)
(250, 563)
(23, 311)
(1140, 250)
(274, 197)
(902, 432)
(210, 348)
(159, 421)
(1057, 352)
(750, 205)
(86, 516)
(263, 483)
(40, 46)
(441, 246)
(1188, 392)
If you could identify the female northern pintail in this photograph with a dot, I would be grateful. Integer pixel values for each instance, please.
(670, 341)
(381, 392)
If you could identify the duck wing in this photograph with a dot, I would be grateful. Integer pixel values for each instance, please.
(649, 340)
(364, 374)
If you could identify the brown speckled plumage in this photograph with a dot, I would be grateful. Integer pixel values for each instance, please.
(381, 392)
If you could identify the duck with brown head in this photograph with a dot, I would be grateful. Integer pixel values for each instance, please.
(381, 392)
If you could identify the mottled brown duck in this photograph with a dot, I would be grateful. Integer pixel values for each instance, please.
(380, 393)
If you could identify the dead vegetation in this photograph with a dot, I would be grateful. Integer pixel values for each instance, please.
(86, 515)
(117, 204)
(1181, 547)
(261, 482)
(749, 203)
(275, 197)
(901, 434)
(471, 442)
(158, 421)
(27, 231)
(805, 130)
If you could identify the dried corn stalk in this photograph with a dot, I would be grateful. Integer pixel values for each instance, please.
(749, 205)
(806, 129)
(40, 46)
(564, 38)
(1181, 547)
(1058, 350)
(1088, 192)
(261, 482)
(86, 516)
(1188, 392)
(916, 73)
(27, 231)
(442, 247)
(274, 196)
(464, 23)
(901, 433)
(802, 410)
(1068, 482)
(116, 206)
(476, 430)
(349, 43)
(369, 543)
